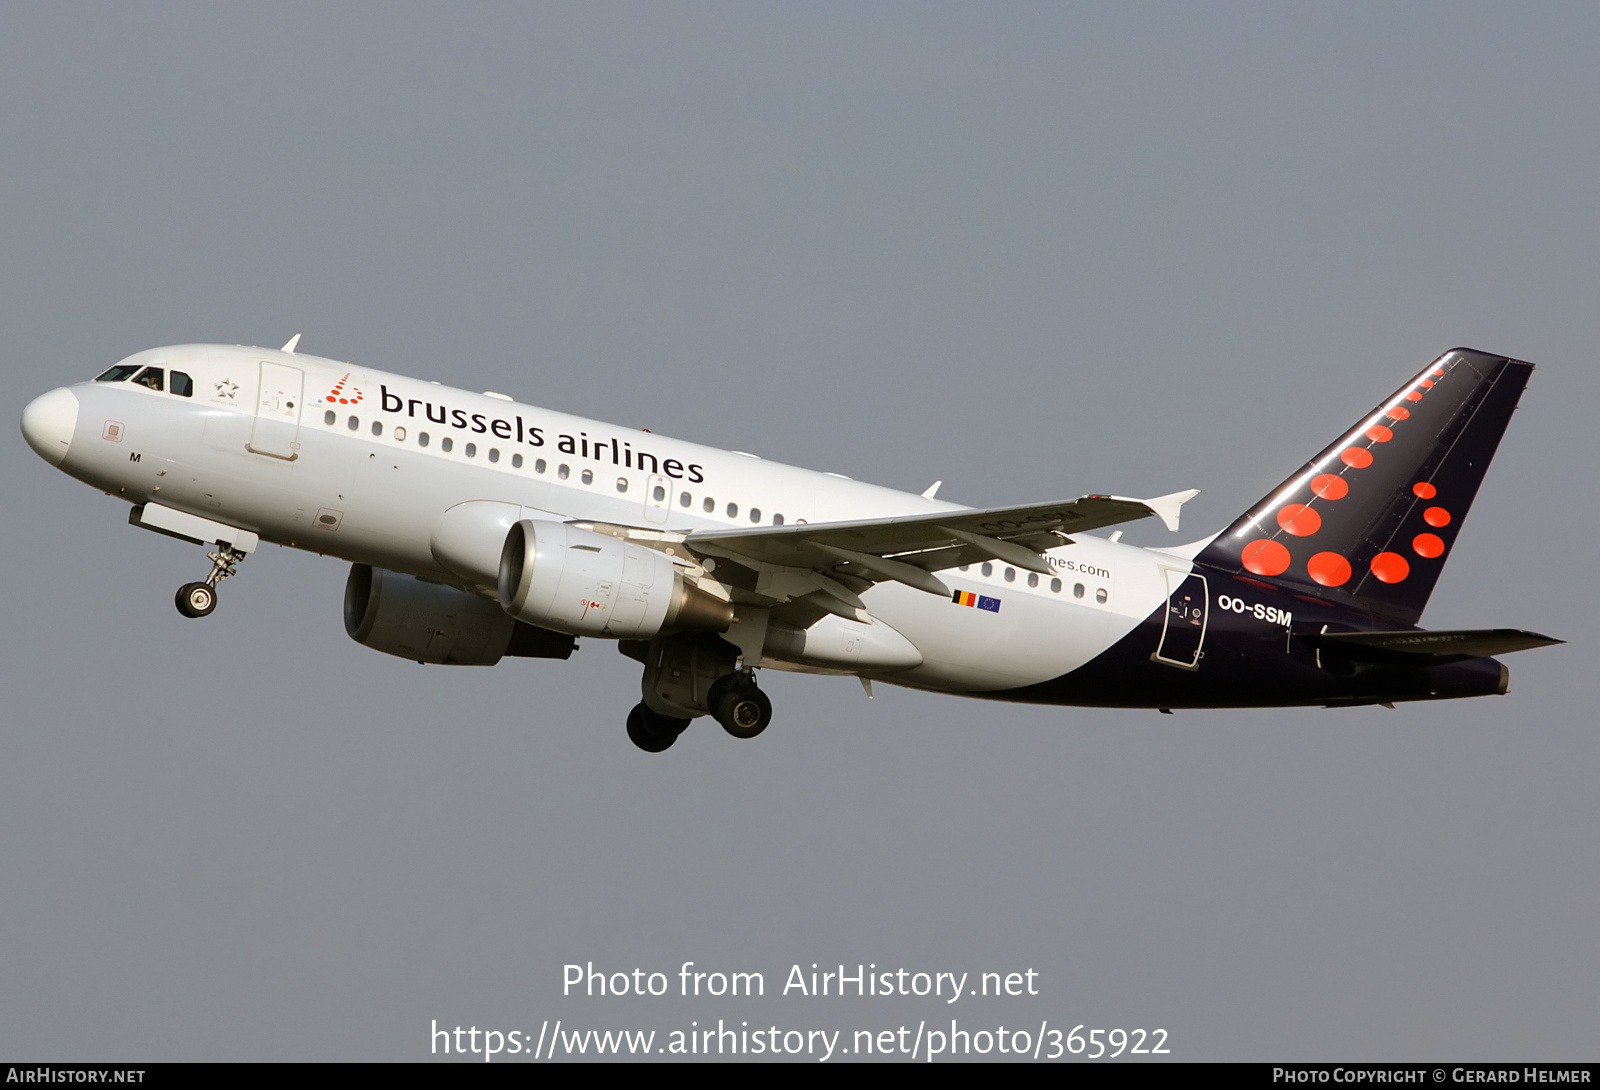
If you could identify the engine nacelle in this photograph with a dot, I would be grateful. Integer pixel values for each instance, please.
(558, 576)
(431, 622)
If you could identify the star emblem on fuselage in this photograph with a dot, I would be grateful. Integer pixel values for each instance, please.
(226, 388)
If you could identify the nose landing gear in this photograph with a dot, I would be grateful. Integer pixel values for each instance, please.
(199, 599)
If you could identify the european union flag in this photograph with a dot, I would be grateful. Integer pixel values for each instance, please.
(991, 604)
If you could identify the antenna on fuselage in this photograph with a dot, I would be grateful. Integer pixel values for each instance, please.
(291, 345)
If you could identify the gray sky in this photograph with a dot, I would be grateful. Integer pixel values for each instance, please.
(1033, 250)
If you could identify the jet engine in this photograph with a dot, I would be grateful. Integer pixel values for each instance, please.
(573, 580)
(432, 622)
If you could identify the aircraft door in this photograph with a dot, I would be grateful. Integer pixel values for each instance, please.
(278, 402)
(1183, 631)
(657, 500)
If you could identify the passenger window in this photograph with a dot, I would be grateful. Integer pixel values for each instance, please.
(563, 472)
(777, 520)
(710, 505)
(987, 569)
(1055, 586)
(1077, 590)
(1101, 596)
(685, 500)
(119, 373)
(472, 450)
(422, 438)
(755, 514)
(733, 510)
(354, 424)
(964, 567)
(1033, 579)
(400, 434)
(182, 384)
(447, 444)
(622, 484)
(588, 476)
(1011, 575)
(538, 466)
(377, 427)
(658, 493)
(152, 378)
(494, 454)
(516, 461)
(330, 418)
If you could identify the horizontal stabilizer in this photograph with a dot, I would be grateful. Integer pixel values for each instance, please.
(1430, 647)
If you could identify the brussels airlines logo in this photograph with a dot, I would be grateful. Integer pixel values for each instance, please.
(344, 392)
(618, 452)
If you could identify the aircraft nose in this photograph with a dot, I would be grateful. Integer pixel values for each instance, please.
(48, 422)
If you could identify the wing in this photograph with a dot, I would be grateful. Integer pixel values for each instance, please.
(827, 564)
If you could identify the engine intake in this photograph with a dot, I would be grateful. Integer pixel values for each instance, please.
(558, 576)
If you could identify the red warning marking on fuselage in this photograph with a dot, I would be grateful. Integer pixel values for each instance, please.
(1265, 557)
(1390, 567)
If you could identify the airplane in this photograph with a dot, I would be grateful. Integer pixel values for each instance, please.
(479, 528)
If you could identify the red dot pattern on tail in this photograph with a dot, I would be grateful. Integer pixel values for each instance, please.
(1299, 520)
(1329, 486)
(1436, 516)
(1390, 567)
(1265, 557)
(1428, 545)
(1329, 569)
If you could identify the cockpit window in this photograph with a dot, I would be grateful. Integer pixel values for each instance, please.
(152, 377)
(119, 373)
(182, 384)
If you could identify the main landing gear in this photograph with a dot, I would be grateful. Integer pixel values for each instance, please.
(743, 710)
(651, 731)
(734, 701)
(689, 675)
(199, 599)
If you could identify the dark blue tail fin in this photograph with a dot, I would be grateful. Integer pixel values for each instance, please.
(1370, 521)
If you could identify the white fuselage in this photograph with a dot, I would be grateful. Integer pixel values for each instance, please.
(361, 464)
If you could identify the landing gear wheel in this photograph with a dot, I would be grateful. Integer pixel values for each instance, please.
(743, 710)
(196, 599)
(651, 731)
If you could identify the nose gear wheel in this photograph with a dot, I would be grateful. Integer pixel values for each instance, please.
(199, 599)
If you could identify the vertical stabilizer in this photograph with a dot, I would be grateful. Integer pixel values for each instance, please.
(1371, 520)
